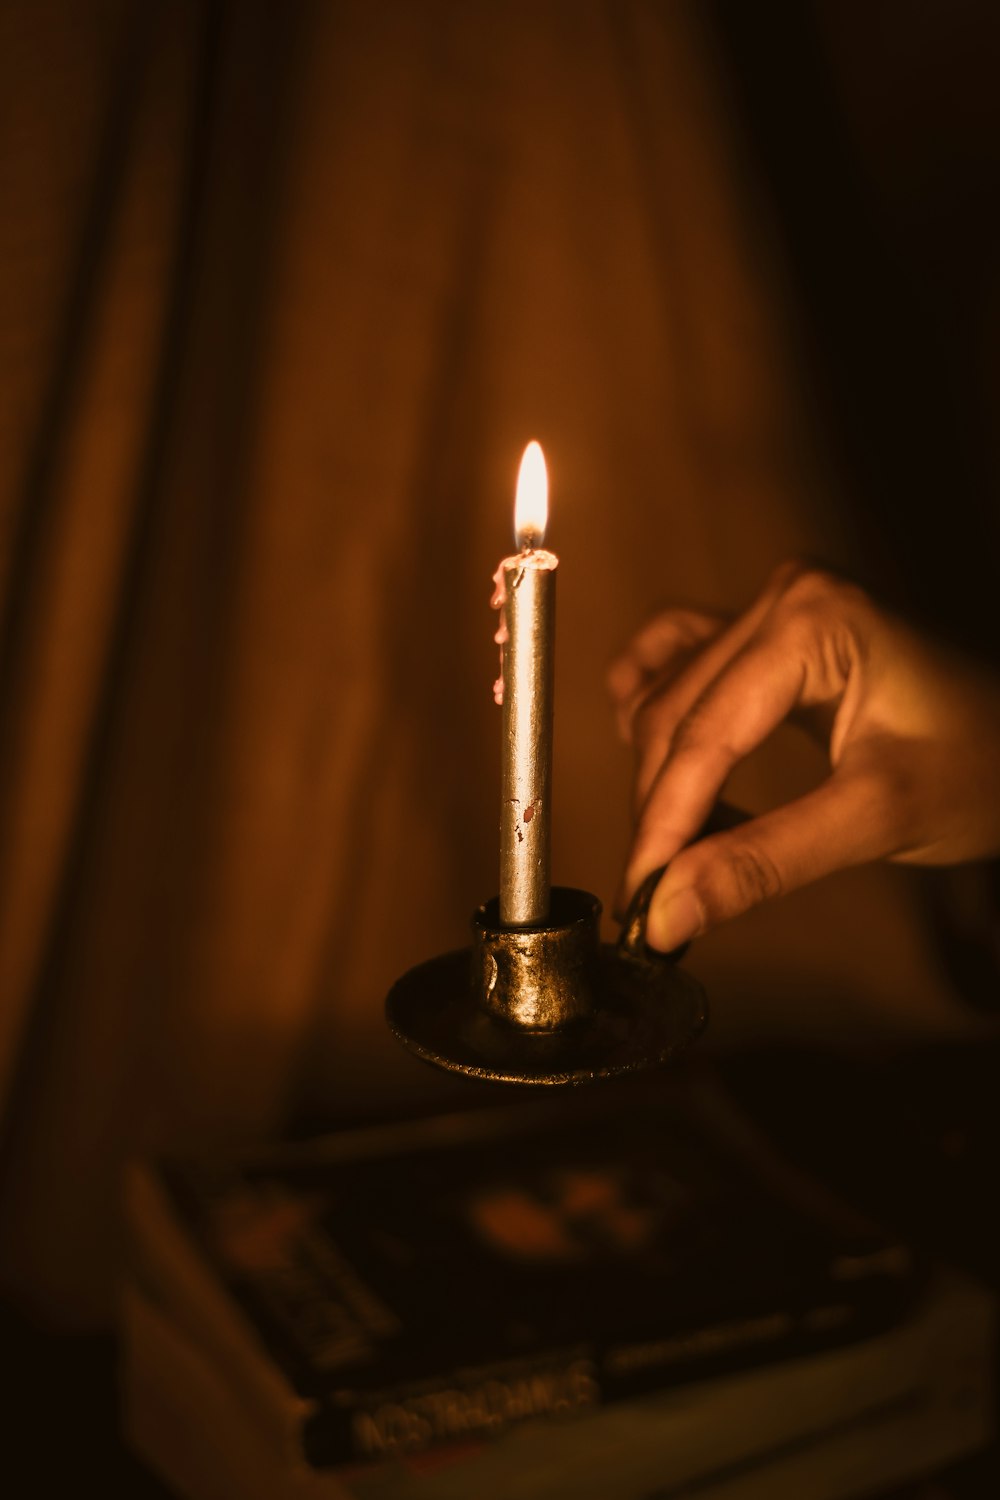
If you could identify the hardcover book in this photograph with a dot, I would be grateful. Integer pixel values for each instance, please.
(393, 1290)
(860, 1420)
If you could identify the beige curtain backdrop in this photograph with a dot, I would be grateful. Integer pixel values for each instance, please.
(285, 290)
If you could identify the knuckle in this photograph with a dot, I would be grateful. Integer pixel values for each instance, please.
(671, 641)
(813, 587)
(822, 618)
(822, 591)
(672, 635)
(754, 874)
(691, 626)
(787, 571)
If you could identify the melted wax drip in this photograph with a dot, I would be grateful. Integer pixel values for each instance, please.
(502, 635)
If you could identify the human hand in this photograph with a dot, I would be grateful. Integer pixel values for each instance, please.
(912, 731)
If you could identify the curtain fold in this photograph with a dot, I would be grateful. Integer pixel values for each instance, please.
(286, 289)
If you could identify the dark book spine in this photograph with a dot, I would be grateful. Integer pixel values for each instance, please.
(477, 1403)
(467, 1405)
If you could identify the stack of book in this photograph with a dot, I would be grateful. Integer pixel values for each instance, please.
(588, 1297)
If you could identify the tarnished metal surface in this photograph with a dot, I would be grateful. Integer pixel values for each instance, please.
(538, 978)
(549, 1005)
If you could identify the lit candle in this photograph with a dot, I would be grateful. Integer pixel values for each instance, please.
(526, 597)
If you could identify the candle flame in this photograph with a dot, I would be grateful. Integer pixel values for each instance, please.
(531, 507)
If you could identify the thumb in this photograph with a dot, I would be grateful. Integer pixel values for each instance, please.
(846, 821)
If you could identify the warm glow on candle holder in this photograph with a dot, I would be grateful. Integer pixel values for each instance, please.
(539, 999)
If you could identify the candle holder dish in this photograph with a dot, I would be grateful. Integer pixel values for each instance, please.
(549, 1004)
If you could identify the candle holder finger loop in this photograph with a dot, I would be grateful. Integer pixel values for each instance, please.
(632, 945)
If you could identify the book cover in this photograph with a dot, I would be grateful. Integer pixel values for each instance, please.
(834, 1425)
(444, 1282)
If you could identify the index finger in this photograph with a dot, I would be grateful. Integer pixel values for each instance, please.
(751, 696)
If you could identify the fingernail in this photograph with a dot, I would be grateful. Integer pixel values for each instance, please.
(677, 921)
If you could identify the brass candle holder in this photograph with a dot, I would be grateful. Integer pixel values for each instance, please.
(538, 999)
(550, 1004)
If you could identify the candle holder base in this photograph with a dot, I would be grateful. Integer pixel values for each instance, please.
(549, 1005)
